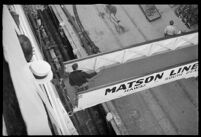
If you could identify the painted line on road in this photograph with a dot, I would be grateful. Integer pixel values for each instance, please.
(158, 113)
(187, 94)
(174, 127)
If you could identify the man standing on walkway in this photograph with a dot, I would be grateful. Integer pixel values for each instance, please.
(78, 78)
(171, 30)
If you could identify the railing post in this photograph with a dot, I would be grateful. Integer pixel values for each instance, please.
(122, 61)
(4, 130)
(174, 47)
(94, 67)
(149, 52)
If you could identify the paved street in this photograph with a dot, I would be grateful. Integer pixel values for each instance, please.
(137, 28)
(167, 109)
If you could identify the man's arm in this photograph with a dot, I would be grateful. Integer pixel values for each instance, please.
(89, 75)
(176, 30)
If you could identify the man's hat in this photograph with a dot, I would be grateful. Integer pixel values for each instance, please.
(41, 71)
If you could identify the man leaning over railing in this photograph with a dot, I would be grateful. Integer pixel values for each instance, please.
(78, 79)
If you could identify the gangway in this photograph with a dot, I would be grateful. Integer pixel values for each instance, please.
(160, 57)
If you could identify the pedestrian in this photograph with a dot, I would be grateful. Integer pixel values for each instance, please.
(171, 30)
(112, 10)
(26, 47)
(79, 79)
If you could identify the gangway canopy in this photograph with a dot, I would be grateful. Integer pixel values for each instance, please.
(134, 52)
(123, 65)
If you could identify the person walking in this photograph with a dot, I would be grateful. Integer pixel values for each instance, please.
(112, 10)
(171, 29)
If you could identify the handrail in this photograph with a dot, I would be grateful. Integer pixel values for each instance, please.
(144, 49)
(23, 82)
(61, 116)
